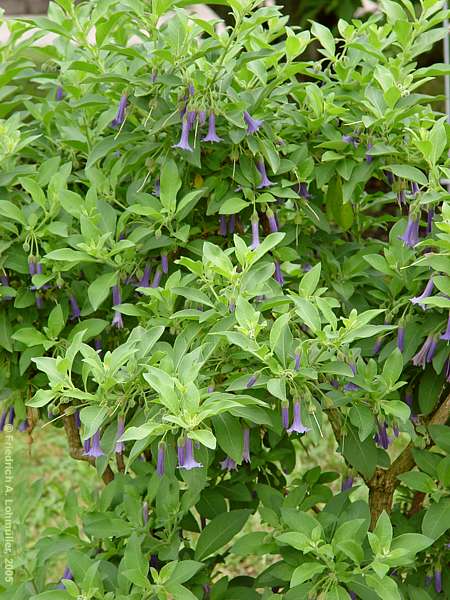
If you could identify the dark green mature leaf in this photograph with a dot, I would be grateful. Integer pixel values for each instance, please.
(362, 455)
(220, 531)
(437, 519)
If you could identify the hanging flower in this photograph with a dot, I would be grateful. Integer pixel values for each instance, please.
(438, 580)
(31, 266)
(181, 448)
(164, 263)
(23, 426)
(160, 463)
(120, 116)
(401, 338)
(265, 181)
(369, 157)
(116, 299)
(446, 335)
(183, 144)
(75, 309)
(378, 345)
(86, 446)
(251, 382)
(95, 450)
(228, 464)
(430, 217)
(231, 224)
(222, 225)
(144, 281)
(189, 458)
(253, 125)
(303, 191)
(426, 353)
(157, 188)
(425, 294)
(285, 415)
(66, 575)
(255, 231)
(212, 136)
(246, 446)
(11, 415)
(77, 419)
(347, 484)
(414, 189)
(278, 275)
(273, 225)
(120, 446)
(201, 117)
(59, 94)
(156, 279)
(210, 388)
(297, 361)
(297, 425)
(349, 139)
(411, 236)
(232, 305)
(381, 438)
(3, 419)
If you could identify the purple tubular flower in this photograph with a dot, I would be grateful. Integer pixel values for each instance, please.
(231, 224)
(381, 438)
(438, 581)
(426, 353)
(189, 458)
(191, 89)
(246, 446)
(253, 125)
(181, 451)
(251, 382)
(303, 191)
(183, 144)
(12, 414)
(349, 139)
(77, 419)
(190, 117)
(278, 275)
(212, 136)
(76, 313)
(297, 361)
(201, 117)
(156, 279)
(120, 446)
(66, 575)
(144, 281)
(425, 294)
(157, 188)
(377, 346)
(430, 217)
(273, 225)
(98, 344)
(347, 484)
(411, 236)
(353, 596)
(228, 464)
(232, 306)
(409, 399)
(401, 197)
(31, 266)
(117, 299)
(389, 177)
(59, 93)
(428, 580)
(164, 263)
(446, 335)
(396, 431)
(145, 512)
(95, 450)
(265, 181)
(297, 424)
(255, 231)
(447, 370)
(23, 426)
(401, 338)
(222, 225)
(3, 419)
(414, 189)
(120, 116)
(369, 157)
(285, 415)
(160, 463)
(86, 446)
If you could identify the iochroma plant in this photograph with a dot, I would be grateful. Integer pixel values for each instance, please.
(215, 257)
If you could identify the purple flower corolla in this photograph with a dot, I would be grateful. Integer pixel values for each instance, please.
(160, 462)
(381, 438)
(447, 370)
(265, 181)
(446, 335)
(144, 281)
(353, 596)
(164, 263)
(411, 236)
(349, 139)
(212, 136)
(157, 188)
(231, 224)
(66, 575)
(253, 125)
(414, 189)
(303, 191)
(156, 279)
(438, 581)
(190, 117)
(59, 93)
(389, 177)
(145, 512)
(12, 414)
(232, 306)
(246, 445)
(201, 117)
(255, 231)
(401, 197)
(117, 299)
(228, 464)
(210, 388)
(191, 89)
(273, 225)
(251, 382)
(120, 116)
(183, 144)
(409, 399)
(401, 338)
(86, 446)
(285, 415)
(369, 157)
(430, 217)
(396, 430)
(76, 416)
(222, 225)
(75, 309)
(425, 294)
(347, 484)
(189, 458)
(31, 266)
(278, 275)
(377, 346)
(23, 426)
(428, 580)
(3, 419)
(297, 425)
(120, 446)
(426, 353)
(181, 451)
(95, 450)
(297, 361)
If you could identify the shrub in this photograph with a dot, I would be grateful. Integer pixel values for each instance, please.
(215, 255)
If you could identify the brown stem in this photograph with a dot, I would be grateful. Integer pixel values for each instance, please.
(417, 502)
(76, 449)
(120, 463)
(383, 483)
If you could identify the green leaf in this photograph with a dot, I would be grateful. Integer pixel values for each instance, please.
(185, 570)
(437, 519)
(220, 531)
(308, 313)
(325, 37)
(441, 436)
(232, 206)
(170, 183)
(40, 398)
(92, 417)
(229, 436)
(281, 339)
(29, 336)
(362, 418)
(412, 542)
(305, 572)
(393, 367)
(99, 289)
(418, 481)
(408, 172)
(310, 281)
(205, 437)
(361, 455)
(383, 531)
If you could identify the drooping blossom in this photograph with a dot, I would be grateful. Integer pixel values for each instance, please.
(396, 430)
(210, 388)
(426, 353)
(120, 446)
(425, 294)
(278, 275)
(265, 181)
(447, 370)
(303, 190)
(347, 484)
(164, 263)
(381, 438)
(75, 309)
(430, 217)
(297, 425)
(212, 136)
(157, 188)
(228, 464)
(98, 345)
(160, 462)
(273, 225)
(3, 419)
(66, 575)
(183, 144)
(31, 266)
(246, 445)
(95, 450)
(378, 345)
(369, 157)
(401, 338)
(411, 235)
(255, 231)
(145, 512)
(414, 189)
(59, 93)
(438, 580)
(201, 117)
(251, 382)
(231, 224)
(156, 279)
(389, 177)
(120, 116)
(86, 446)
(144, 281)
(76, 416)
(401, 197)
(222, 225)
(297, 361)
(181, 451)
(117, 299)
(285, 415)
(232, 305)
(23, 425)
(189, 458)
(352, 387)
(253, 125)
(39, 300)
(349, 139)
(446, 335)
(11, 415)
